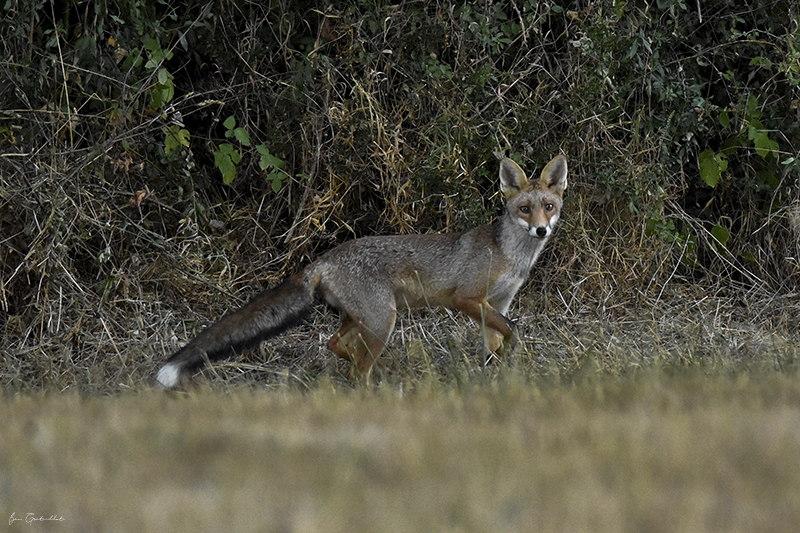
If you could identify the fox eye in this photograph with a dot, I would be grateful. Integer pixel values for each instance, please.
(525, 209)
(548, 207)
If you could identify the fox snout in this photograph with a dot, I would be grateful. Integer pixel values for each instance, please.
(540, 231)
(540, 224)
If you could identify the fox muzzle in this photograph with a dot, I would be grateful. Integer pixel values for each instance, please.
(540, 231)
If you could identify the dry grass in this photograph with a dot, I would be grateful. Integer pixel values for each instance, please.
(677, 415)
(655, 453)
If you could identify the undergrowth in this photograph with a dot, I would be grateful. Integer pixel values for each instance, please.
(162, 162)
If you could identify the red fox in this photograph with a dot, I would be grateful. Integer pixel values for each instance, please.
(477, 272)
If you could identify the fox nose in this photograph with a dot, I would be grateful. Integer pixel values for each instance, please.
(541, 232)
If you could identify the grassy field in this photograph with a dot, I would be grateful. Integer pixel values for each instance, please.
(163, 162)
(656, 447)
(605, 419)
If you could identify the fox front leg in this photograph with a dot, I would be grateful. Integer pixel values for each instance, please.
(499, 343)
(498, 331)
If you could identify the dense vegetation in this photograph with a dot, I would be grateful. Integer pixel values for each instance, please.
(161, 161)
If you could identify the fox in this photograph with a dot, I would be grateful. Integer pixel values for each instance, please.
(477, 272)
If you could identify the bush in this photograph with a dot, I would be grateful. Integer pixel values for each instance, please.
(158, 152)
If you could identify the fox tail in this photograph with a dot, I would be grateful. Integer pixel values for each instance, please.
(266, 315)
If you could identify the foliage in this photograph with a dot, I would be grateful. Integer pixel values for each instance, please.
(226, 157)
(274, 165)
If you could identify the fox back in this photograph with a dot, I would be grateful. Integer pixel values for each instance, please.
(367, 280)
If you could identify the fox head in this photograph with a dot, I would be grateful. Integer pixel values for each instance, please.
(534, 205)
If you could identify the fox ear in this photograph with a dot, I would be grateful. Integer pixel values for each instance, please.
(512, 178)
(554, 175)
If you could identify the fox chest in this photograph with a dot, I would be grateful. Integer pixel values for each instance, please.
(506, 286)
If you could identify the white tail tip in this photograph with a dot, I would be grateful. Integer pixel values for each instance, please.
(169, 375)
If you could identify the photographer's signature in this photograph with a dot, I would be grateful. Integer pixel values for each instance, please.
(30, 518)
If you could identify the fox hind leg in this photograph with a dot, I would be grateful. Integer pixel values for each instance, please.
(361, 342)
(368, 310)
(342, 340)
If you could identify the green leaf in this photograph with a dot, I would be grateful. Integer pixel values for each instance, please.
(762, 62)
(720, 234)
(754, 128)
(225, 158)
(154, 53)
(151, 45)
(162, 93)
(228, 173)
(230, 123)
(267, 159)
(722, 161)
(230, 152)
(226, 166)
(711, 166)
(219, 157)
(175, 138)
(724, 119)
(242, 136)
(752, 113)
(764, 145)
(277, 178)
